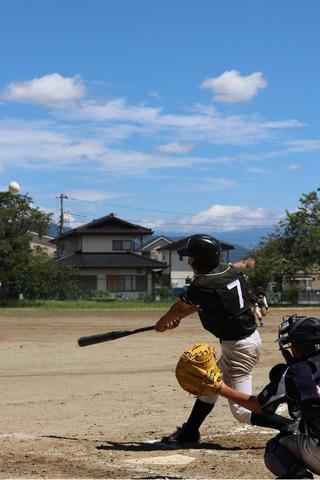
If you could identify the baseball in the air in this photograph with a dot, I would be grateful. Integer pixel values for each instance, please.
(14, 187)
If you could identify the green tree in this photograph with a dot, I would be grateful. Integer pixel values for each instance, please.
(33, 273)
(301, 234)
(40, 277)
(294, 246)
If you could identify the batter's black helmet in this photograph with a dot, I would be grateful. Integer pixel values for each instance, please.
(303, 331)
(206, 251)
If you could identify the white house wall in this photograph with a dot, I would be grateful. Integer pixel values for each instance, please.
(102, 275)
(180, 270)
(100, 243)
(69, 245)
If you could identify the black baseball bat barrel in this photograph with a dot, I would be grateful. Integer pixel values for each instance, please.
(108, 336)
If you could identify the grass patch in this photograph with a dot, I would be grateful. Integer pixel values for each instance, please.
(87, 304)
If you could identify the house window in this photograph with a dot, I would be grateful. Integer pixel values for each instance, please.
(127, 283)
(87, 283)
(122, 245)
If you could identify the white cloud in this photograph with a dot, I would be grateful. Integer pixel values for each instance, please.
(175, 147)
(93, 195)
(258, 170)
(231, 87)
(50, 90)
(204, 124)
(44, 145)
(116, 109)
(233, 217)
(307, 145)
(222, 218)
(293, 166)
(212, 184)
(204, 184)
(51, 145)
(283, 124)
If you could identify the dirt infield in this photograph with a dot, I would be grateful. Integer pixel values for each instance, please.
(93, 412)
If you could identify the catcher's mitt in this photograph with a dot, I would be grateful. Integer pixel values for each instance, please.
(197, 371)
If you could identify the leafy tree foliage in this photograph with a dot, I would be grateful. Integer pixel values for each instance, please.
(23, 270)
(40, 277)
(294, 246)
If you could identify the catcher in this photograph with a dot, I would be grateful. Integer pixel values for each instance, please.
(218, 292)
(293, 453)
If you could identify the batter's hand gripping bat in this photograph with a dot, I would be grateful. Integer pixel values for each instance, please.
(108, 336)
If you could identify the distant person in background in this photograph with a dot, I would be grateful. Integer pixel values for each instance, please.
(263, 306)
(255, 309)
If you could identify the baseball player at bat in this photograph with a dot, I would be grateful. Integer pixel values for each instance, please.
(294, 452)
(218, 292)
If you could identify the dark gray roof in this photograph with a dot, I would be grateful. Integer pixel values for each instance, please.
(108, 225)
(45, 240)
(109, 260)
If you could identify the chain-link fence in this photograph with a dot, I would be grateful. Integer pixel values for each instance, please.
(302, 297)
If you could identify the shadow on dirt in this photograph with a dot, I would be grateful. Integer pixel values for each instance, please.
(158, 446)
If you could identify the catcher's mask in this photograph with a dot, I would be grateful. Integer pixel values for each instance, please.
(205, 250)
(301, 330)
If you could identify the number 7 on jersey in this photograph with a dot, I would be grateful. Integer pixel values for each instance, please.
(236, 284)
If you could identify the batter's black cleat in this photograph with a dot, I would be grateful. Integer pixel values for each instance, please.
(182, 436)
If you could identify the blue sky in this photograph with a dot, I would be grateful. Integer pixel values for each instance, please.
(181, 115)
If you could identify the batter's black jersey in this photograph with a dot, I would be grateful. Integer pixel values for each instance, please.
(298, 385)
(222, 299)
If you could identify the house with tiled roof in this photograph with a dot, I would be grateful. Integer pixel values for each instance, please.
(178, 272)
(106, 254)
(43, 243)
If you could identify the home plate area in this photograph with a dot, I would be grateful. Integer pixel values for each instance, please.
(167, 460)
(233, 454)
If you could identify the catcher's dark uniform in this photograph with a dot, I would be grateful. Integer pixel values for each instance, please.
(224, 309)
(298, 385)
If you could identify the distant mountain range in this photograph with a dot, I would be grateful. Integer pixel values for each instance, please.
(242, 240)
(53, 230)
(248, 239)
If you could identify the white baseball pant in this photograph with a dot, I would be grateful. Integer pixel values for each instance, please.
(238, 357)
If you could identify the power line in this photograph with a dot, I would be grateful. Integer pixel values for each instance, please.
(210, 225)
(80, 216)
(151, 210)
(173, 224)
(139, 208)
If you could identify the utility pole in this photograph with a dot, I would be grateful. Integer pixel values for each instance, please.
(62, 196)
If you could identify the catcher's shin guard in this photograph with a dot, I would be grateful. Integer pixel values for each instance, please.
(282, 463)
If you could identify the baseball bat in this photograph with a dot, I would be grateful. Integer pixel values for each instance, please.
(108, 336)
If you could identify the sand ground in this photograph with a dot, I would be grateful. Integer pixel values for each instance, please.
(93, 412)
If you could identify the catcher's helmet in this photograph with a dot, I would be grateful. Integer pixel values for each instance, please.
(303, 331)
(206, 251)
